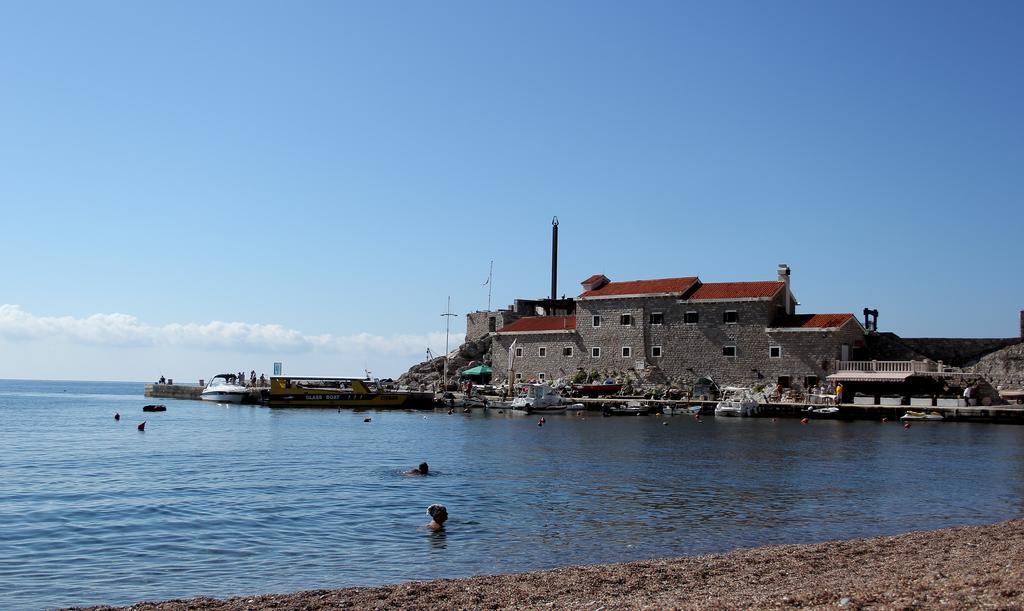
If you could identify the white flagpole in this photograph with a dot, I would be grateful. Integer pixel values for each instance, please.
(511, 358)
(489, 275)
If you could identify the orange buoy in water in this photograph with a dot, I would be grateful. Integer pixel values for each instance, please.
(906, 425)
(804, 421)
(142, 425)
(117, 416)
(540, 423)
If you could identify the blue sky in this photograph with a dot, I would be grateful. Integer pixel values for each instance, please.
(202, 186)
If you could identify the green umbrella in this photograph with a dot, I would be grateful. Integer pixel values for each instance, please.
(479, 370)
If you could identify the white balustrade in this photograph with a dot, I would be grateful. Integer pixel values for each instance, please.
(887, 366)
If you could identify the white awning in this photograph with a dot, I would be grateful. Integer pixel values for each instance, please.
(870, 376)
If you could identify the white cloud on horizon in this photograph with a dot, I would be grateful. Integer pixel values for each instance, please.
(127, 331)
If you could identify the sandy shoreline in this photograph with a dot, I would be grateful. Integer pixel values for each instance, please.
(966, 567)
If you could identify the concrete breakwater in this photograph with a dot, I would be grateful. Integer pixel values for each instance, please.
(193, 392)
(848, 411)
(1002, 414)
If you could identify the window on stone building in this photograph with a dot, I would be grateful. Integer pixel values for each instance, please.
(597, 321)
(542, 351)
(519, 352)
(626, 350)
(595, 352)
(626, 319)
(691, 318)
(731, 317)
(540, 376)
(567, 351)
(657, 318)
(519, 377)
(810, 381)
(492, 324)
(784, 381)
(775, 352)
(656, 352)
(729, 351)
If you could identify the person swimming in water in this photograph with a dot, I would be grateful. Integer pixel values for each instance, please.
(438, 516)
(423, 469)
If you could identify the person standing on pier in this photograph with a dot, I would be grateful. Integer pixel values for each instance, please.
(839, 393)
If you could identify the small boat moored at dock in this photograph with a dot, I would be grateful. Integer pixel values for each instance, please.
(224, 389)
(679, 410)
(916, 415)
(737, 401)
(828, 411)
(633, 408)
(542, 399)
(355, 392)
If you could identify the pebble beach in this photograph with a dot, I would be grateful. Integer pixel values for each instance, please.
(963, 567)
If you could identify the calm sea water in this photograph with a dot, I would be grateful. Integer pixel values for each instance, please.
(222, 500)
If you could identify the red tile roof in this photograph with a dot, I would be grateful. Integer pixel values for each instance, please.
(593, 279)
(641, 287)
(813, 321)
(540, 323)
(737, 290)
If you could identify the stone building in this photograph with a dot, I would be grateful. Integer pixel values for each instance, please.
(672, 328)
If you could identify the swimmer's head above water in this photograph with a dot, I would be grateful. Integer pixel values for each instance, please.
(423, 469)
(438, 516)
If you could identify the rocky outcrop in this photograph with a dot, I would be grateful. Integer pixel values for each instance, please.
(428, 373)
(1003, 368)
(957, 351)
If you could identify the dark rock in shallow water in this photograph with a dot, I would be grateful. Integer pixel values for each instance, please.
(154, 408)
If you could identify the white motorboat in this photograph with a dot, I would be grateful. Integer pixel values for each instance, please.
(541, 399)
(737, 401)
(224, 389)
(915, 415)
(678, 410)
(631, 408)
(825, 411)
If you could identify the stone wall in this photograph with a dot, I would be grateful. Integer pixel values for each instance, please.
(687, 350)
(807, 353)
(478, 324)
(611, 336)
(531, 365)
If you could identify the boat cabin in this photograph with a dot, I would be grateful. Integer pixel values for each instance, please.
(357, 385)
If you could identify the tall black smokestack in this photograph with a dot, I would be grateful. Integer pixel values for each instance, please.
(554, 257)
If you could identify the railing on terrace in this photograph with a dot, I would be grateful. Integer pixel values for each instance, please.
(888, 366)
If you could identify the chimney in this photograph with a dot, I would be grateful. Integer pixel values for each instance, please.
(784, 272)
(554, 257)
(870, 320)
